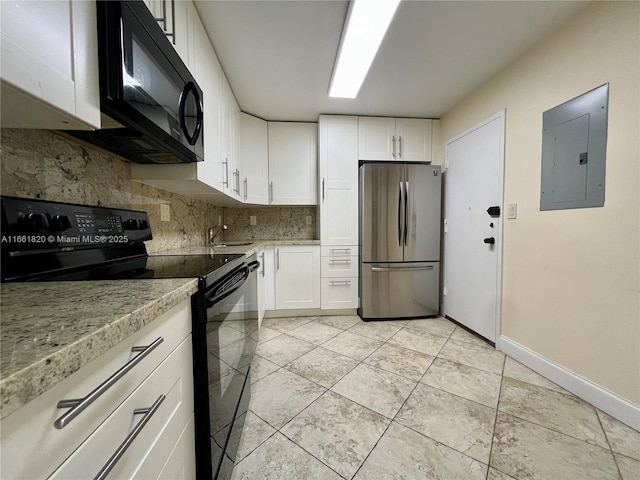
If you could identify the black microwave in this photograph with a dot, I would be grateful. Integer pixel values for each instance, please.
(151, 104)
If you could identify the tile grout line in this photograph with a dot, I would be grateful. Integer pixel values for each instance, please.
(495, 420)
(615, 460)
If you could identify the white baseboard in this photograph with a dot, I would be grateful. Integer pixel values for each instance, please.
(607, 401)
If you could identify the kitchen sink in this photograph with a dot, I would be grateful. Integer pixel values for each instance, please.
(233, 244)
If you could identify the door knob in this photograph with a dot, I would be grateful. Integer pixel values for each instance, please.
(490, 240)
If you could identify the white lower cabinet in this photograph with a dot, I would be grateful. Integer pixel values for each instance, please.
(297, 277)
(339, 277)
(268, 272)
(32, 447)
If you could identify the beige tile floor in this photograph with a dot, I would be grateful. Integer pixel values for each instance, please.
(339, 398)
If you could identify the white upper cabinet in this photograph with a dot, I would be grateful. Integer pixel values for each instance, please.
(49, 65)
(254, 160)
(338, 198)
(229, 141)
(208, 74)
(174, 17)
(394, 139)
(293, 163)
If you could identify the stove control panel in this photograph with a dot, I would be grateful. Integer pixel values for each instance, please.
(29, 224)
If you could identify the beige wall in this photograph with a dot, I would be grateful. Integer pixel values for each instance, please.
(571, 278)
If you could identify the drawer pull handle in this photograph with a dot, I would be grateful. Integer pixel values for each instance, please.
(339, 283)
(340, 262)
(78, 405)
(148, 413)
(336, 250)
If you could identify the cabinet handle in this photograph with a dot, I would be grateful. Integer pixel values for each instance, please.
(226, 172)
(323, 189)
(393, 144)
(262, 272)
(339, 283)
(400, 146)
(246, 188)
(271, 191)
(400, 269)
(345, 261)
(148, 413)
(336, 250)
(78, 405)
(277, 259)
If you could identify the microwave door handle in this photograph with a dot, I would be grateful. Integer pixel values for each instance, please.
(190, 88)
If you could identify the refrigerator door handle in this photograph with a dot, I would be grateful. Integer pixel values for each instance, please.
(400, 216)
(391, 269)
(406, 212)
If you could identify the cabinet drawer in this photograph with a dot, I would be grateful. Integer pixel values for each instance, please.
(339, 266)
(32, 447)
(338, 250)
(339, 293)
(144, 458)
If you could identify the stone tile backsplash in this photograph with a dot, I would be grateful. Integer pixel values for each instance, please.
(285, 223)
(42, 164)
(45, 165)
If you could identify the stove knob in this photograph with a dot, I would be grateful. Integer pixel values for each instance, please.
(143, 224)
(33, 222)
(130, 224)
(60, 223)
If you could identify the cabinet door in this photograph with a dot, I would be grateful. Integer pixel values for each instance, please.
(297, 277)
(338, 145)
(226, 136)
(207, 73)
(268, 274)
(413, 139)
(376, 138)
(339, 293)
(49, 65)
(293, 163)
(254, 160)
(145, 455)
(173, 17)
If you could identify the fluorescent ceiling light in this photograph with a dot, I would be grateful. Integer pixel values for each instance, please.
(365, 28)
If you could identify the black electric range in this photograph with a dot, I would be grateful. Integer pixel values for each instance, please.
(53, 241)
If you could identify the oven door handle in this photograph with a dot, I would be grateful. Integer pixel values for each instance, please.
(253, 266)
(215, 296)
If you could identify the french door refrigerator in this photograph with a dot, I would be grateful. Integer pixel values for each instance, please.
(399, 240)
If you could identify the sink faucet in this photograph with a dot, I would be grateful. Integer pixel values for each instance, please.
(213, 233)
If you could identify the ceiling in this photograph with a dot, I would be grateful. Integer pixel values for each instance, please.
(278, 55)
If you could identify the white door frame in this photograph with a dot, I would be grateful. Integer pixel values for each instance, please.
(501, 117)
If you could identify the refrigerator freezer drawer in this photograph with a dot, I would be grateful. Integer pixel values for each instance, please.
(399, 290)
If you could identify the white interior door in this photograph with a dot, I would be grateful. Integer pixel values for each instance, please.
(473, 183)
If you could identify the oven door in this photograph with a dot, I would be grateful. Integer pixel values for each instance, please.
(231, 333)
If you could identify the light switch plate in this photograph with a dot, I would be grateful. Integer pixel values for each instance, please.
(512, 210)
(308, 219)
(253, 220)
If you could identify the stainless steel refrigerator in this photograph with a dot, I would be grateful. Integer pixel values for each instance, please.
(399, 240)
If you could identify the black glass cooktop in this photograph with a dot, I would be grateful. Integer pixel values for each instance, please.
(186, 266)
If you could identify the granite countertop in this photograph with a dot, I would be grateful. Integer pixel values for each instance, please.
(49, 330)
(52, 329)
(253, 247)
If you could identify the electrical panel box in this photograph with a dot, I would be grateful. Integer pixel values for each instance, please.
(574, 147)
